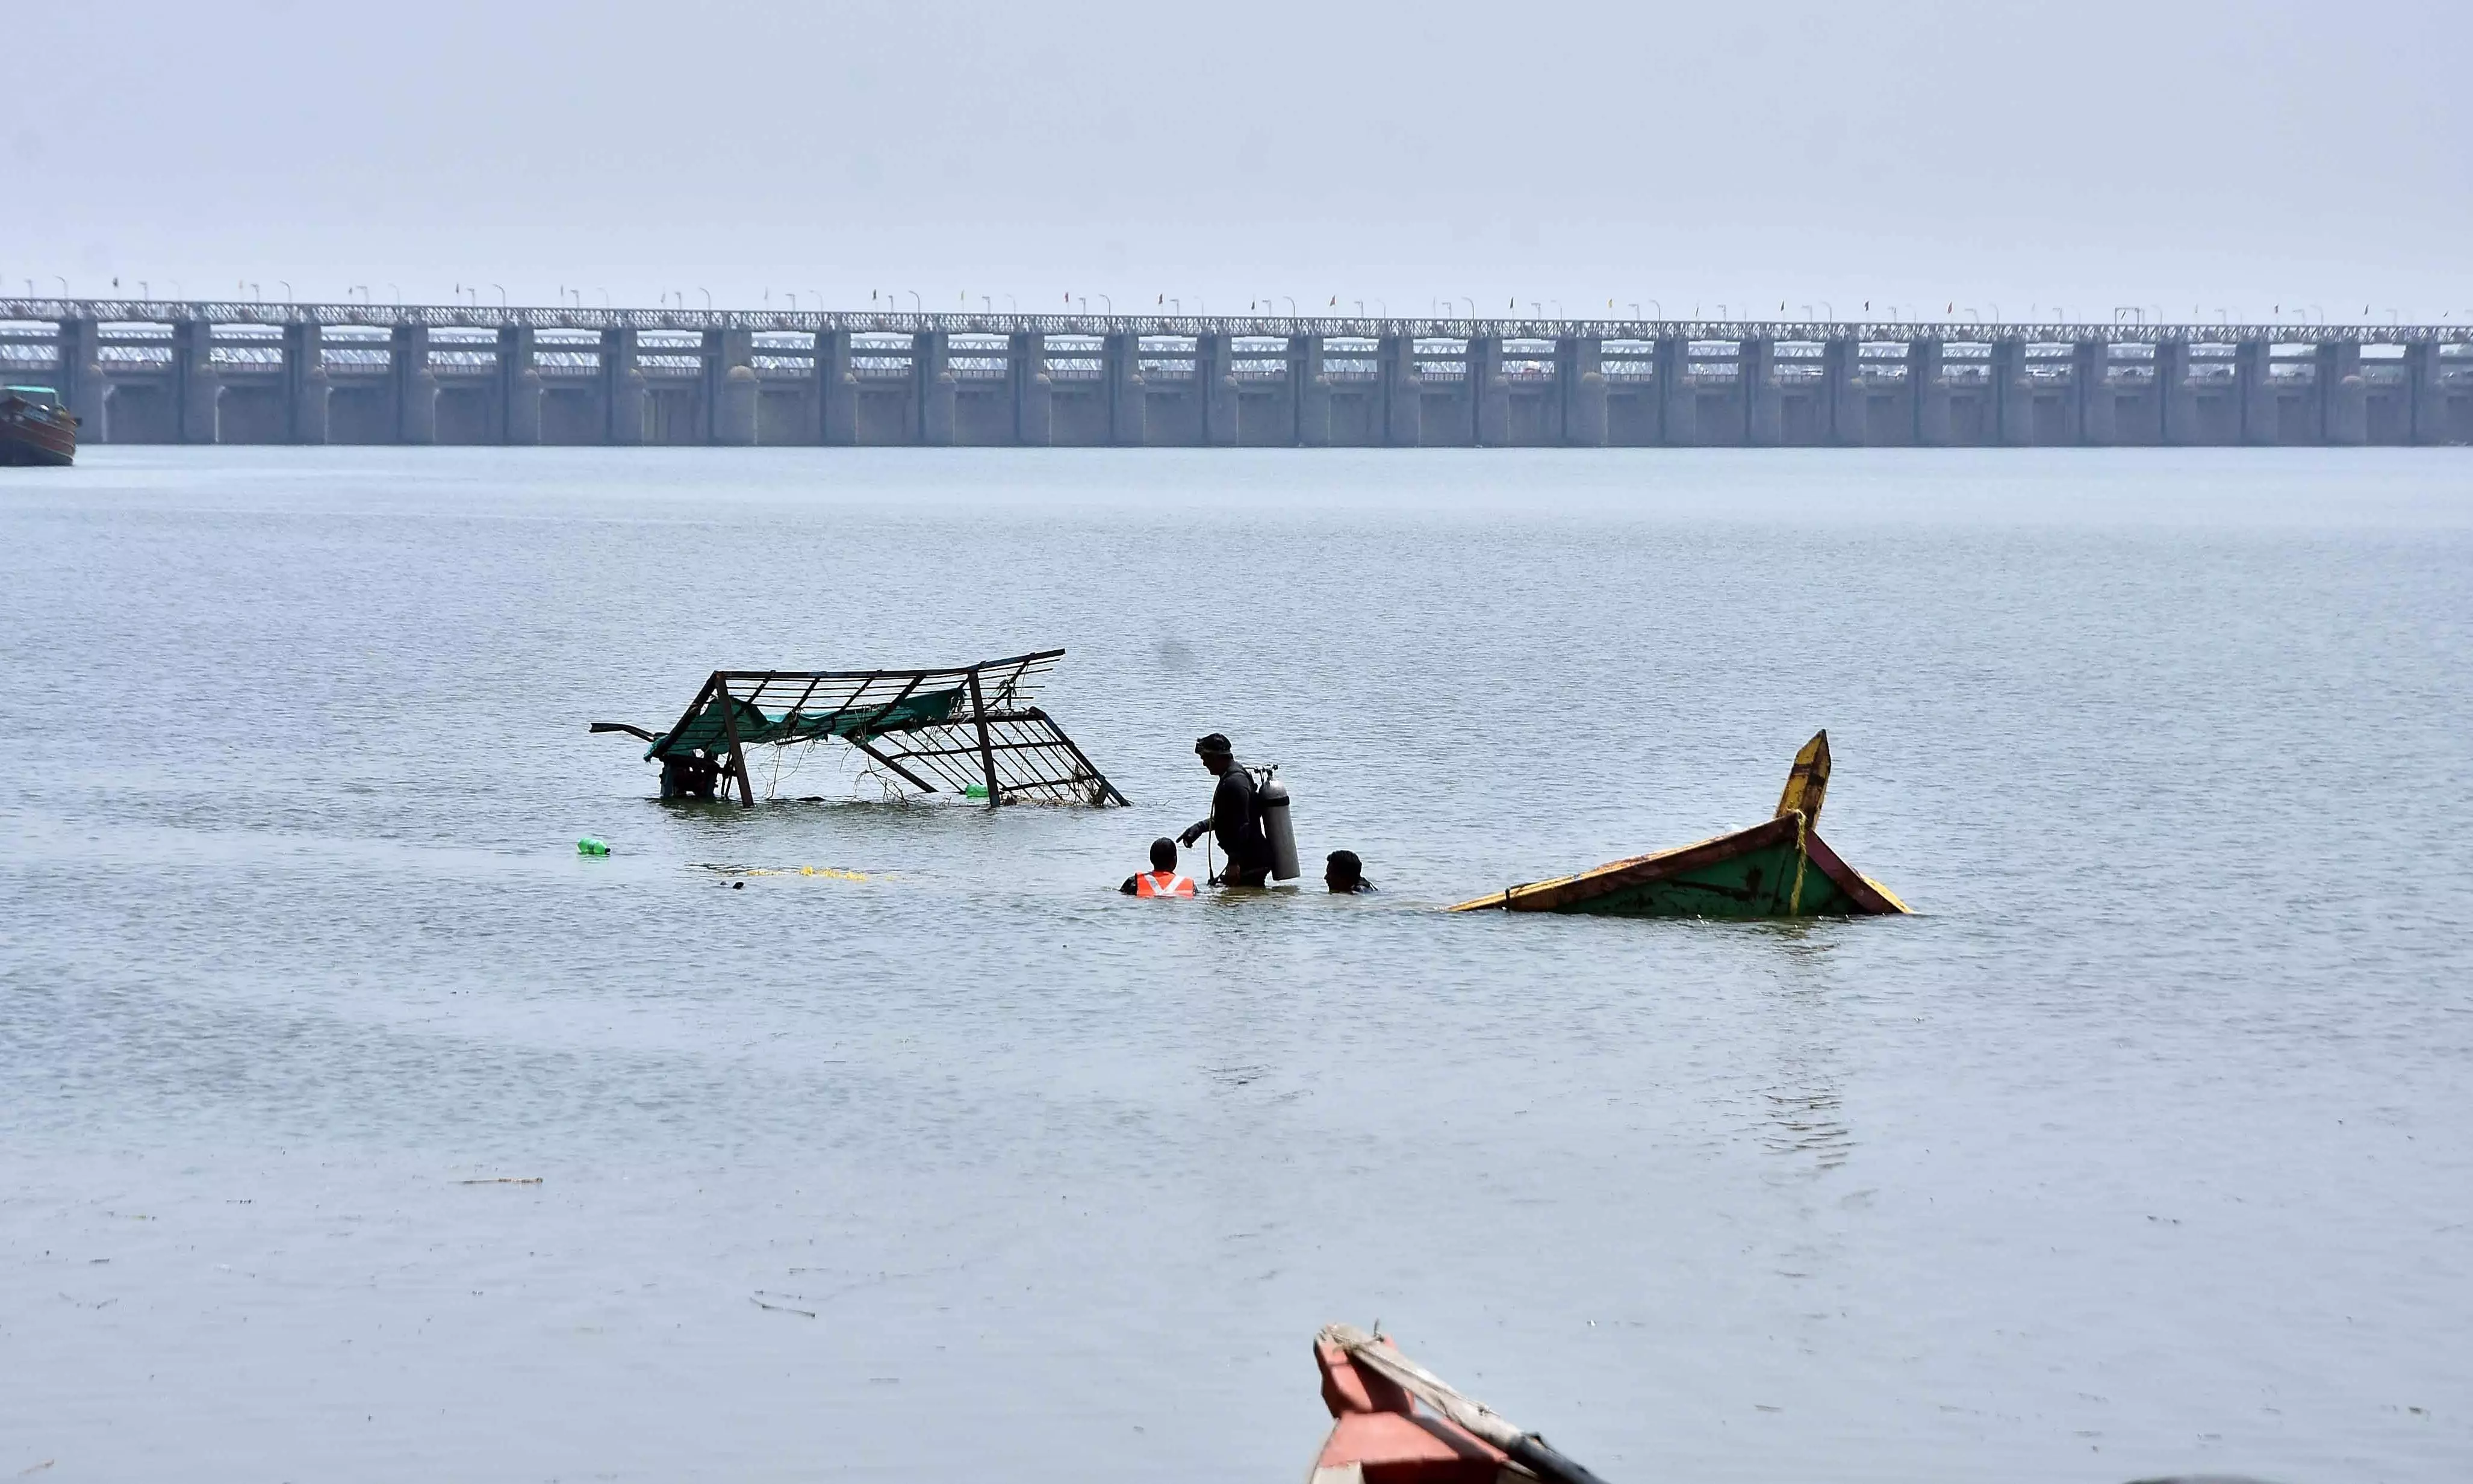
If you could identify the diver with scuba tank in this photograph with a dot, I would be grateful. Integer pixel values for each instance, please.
(1250, 820)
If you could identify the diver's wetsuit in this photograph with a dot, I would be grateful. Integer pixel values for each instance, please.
(1237, 819)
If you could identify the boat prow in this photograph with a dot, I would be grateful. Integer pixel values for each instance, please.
(1780, 867)
(1394, 1421)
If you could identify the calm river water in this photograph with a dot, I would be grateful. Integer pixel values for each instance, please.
(2143, 1148)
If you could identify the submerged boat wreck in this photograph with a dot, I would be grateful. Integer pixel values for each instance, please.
(1780, 869)
(1394, 1421)
(967, 729)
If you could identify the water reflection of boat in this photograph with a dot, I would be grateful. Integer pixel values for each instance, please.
(1778, 868)
(35, 428)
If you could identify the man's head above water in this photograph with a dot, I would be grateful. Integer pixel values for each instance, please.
(1216, 752)
(1162, 855)
(1343, 872)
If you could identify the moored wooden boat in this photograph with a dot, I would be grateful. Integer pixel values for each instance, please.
(35, 428)
(1778, 868)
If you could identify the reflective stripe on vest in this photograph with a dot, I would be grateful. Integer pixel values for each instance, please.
(1162, 883)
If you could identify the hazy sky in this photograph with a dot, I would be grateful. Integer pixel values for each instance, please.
(2170, 154)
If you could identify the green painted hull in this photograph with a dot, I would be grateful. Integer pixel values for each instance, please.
(1779, 869)
(1761, 883)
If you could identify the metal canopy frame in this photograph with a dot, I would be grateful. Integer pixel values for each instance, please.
(981, 730)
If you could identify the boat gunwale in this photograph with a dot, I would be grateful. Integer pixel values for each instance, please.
(1638, 870)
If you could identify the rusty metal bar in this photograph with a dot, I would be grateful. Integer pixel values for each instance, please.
(729, 729)
(987, 753)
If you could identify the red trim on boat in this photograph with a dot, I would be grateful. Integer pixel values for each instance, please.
(1379, 1435)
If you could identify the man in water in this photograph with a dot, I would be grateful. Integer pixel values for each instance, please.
(1235, 818)
(1162, 879)
(1344, 873)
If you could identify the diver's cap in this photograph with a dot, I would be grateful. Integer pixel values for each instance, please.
(1216, 742)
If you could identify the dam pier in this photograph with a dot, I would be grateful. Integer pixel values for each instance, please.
(154, 371)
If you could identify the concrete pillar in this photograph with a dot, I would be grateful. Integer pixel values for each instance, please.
(1214, 386)
(2173, 394)
(2013, 400)
(519, 387)
(1034, 400)
(414, 383)
(1581, 375)
(1490, 390)
(2091, 389)
(1292, 357)
(1927, 395)
(1764, 405)
(83, 388)
(622, 388)
(2254, 383)
(2343, 396)
(1403, 409)
(836, 390)
(1678, 405)
(197, 388)
(1127, 424)
(1314, 391)
(1848, 408)
(931, 373)
(304, 383)
(2428, 407)
(729, 388)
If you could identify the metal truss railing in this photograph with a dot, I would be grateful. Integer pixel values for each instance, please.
(783, 321)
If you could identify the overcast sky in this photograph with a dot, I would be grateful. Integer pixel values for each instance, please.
(2176, 155)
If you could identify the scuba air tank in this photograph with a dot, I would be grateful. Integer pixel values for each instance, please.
(1271, 796)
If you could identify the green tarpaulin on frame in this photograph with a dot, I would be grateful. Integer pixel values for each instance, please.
(707, 730)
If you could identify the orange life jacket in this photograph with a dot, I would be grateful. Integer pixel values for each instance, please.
(1162, 883)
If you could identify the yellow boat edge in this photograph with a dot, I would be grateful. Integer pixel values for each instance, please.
(1502, 899)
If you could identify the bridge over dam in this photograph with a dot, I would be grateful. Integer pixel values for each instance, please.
(253, 372)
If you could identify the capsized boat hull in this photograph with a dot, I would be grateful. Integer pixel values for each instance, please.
(1780, 867)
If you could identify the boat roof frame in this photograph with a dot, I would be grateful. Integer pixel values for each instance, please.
(995, 738)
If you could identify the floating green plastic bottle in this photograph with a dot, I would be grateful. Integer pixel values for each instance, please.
(592, 845)
(974, 790)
